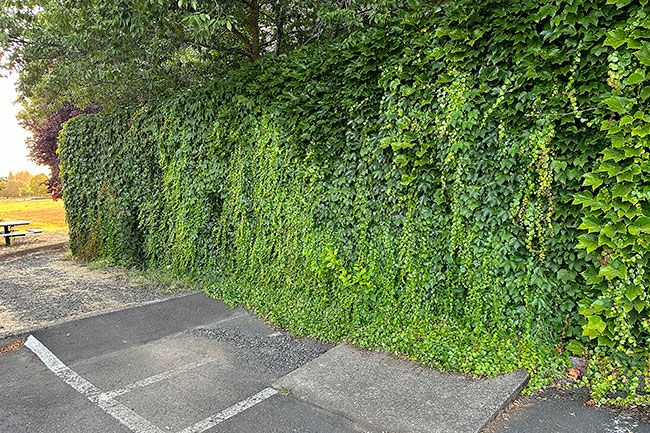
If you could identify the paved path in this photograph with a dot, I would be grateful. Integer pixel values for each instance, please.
(381, 391)
(193, 365)
(566, 412)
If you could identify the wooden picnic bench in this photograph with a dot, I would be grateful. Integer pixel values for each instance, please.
(9, 233)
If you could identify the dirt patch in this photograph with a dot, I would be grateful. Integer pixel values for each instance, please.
(56, 241)
(58, 247)
(279, 352)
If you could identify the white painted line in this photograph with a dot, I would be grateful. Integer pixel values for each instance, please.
(156, 378)
(117, 410)
(233, 410)
(227, 319)
(275, 334)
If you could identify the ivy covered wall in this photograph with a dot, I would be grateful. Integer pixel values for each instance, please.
(453, 187)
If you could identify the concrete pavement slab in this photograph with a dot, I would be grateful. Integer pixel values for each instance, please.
(387, 394)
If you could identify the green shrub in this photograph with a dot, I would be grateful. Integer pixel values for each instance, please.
(409, 188)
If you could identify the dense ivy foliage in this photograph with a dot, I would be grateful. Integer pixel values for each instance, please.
(43, 143)
(415, 188)
(616, 206)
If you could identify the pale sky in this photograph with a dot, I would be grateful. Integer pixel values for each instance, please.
(13, 151)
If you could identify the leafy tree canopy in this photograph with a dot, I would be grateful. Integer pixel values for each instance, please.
(38, 185)
(126, 52)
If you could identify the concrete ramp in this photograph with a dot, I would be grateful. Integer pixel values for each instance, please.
(387, 394)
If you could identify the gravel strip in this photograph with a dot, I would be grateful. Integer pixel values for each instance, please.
(273, 352)
(44, 287)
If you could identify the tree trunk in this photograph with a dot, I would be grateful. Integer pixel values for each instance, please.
(255, 30)
(279, 24)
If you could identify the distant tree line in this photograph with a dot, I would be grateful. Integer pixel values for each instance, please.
(23, 184)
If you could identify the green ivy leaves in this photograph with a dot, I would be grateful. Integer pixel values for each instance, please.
(643, 54)
(617, 212)
(619, 104)
(418, 188)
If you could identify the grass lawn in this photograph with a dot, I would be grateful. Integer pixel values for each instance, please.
(45, 214)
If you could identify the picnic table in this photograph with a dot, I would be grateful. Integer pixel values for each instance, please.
(9, 233)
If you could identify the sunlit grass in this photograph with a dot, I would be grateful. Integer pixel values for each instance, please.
(44, 214)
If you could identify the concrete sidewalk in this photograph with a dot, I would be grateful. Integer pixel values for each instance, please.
(385, 393)
(193, 365)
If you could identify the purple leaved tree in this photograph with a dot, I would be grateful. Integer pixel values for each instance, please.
(43, 142)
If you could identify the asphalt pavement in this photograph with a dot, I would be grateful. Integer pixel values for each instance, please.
(191, 364)
(188, 364)
(568, 411)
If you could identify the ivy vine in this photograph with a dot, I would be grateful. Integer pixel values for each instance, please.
(418, 187)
